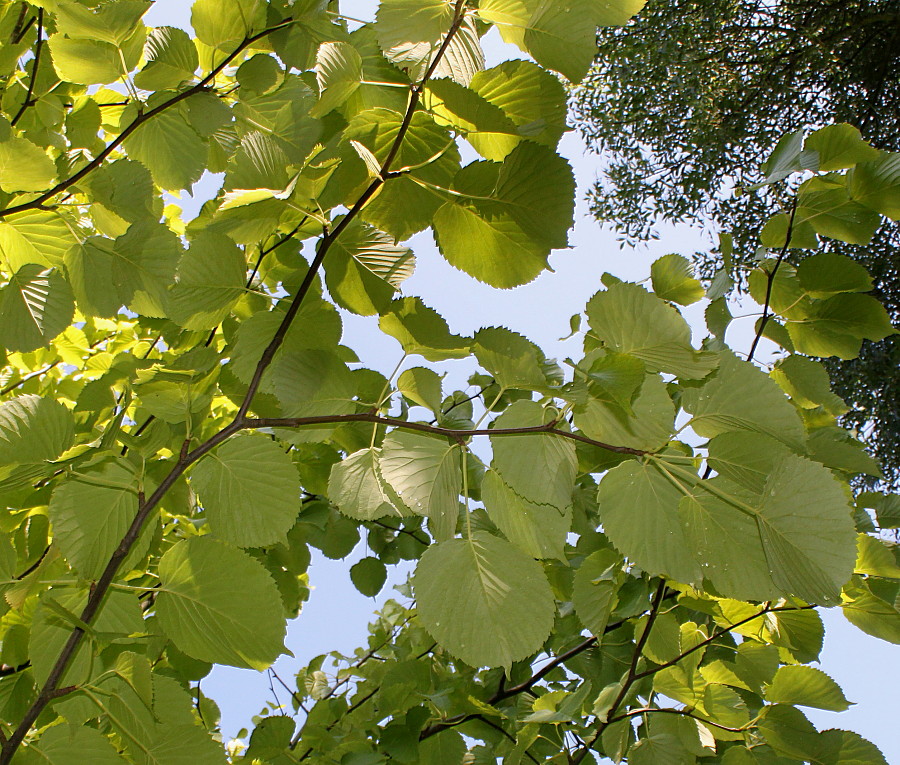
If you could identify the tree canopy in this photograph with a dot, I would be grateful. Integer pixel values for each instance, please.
(686, 102)
(635, 569)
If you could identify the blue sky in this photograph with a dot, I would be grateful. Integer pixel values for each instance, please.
(335, 618)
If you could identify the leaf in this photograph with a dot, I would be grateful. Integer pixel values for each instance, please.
(839, 146)
(39, 237)
(868, 612)
(24, 166)
(171, 59)
(463, 58)
(875, 557)
(673, 279)
(595, 588)
(312, 383)
(91, 512)
(539, 468)
(170, 149)
(35, 306)
(530, 97)
(838, 747)
(119, 617)
(365, 268)
(639, 511)
(876, 184)
(338, 74)
(808, 687)
(824, 204)
(86, 62)
(368, 576)
(505, 218)
(147, 257)
(211, 278)
(836, 326)
(808, 384)
(421, 386)
(206, 617)
(829, 273)
(483, 600)
(617, 377)
(70, 745)
(250, 491)
(408, 30)
(424, 471)
(357, 488)
(422, 331)
(745, 458)
(538, 530)
(223, 24)
(628, 319)
(560, 35)
(113, 22)
(34, 429)
(740, 397)
(514, 361)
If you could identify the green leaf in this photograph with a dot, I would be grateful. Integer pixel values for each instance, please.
(839, 146)
(39, 237)
(424, 471)
(829, 273)
(785, 157)
(24, 166)
(483, 600)
(421, 386)
(357, 488)
(871, 614)
(402, 206)
(824, 204)
(530, 97)
(876, 184)
(538, 530)
(170, 149)
(673, 279)
(595, 587)
(875, 557)
(250, 491)
(365, 268)
(539, 468)
(368, 576)
(206, 617)
(505, 218)
(837, 326)
(70, 745)
(808, 687)
(514, 361)
(648, 425)
(807, 383)
(113, 22)
(171, 59)
(338, 73)
(119, 616)
(463, 58)
(409, 30)
(422, 331)
(223, 24)
(745, 458)
(91, 512)
(740, 397)
(35, 306)
(628, 319)
(86, 62)
(147, 256)
(560, 35)
(617, 377)
(212, 277)
(34, 429)
(774, 234)
(837, 747)
(312, 383)
(639, 511)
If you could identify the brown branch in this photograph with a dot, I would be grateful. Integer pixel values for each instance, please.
(34, 566)
(38, 202)
(298, 422)
(771, 282)
(669, 711)
(36, 62)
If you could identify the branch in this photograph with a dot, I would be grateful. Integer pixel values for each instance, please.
(298, 422)
(201, 86)
(34, 69)
(771, 281)
(682, 712)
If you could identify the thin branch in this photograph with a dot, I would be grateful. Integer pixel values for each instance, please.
(30, 376)
(34, 566)
(38, 202)
(771, 282)
(34, 69)
(669, 711)
(633, 675)
(401, 530)
(299, 422)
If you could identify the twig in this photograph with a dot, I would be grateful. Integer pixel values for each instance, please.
(34, 68)
(771, 281)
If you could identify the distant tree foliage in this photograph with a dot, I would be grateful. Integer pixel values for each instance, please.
(686, 101)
